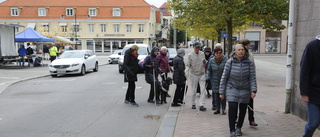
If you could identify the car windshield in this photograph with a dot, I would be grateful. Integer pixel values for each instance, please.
(116, 51)
(172, 51)
(71, 55)
(141, 51)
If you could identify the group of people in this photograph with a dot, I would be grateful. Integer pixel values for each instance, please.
(23, 53)
(232, 80)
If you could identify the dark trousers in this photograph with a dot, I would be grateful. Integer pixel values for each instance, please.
(233, 112)
(250, 112)
(154, 86)
(130, 91)
(219, 102)
(179, 93)
(52, 58)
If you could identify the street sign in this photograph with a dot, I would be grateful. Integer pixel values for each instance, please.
(224, 35)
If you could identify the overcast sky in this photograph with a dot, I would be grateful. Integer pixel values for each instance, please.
(156, 3)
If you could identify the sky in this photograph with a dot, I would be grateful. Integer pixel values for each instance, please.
(156, 3)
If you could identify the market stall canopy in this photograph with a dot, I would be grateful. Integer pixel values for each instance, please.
(62, 39)
(30, 35)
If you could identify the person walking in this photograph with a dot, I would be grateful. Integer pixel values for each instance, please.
(22, 54)
(214, 74)
(179, 78)
(131, 68)
(237, 85)
(195, 68)
(53, 52)
(46, 52)
(207, 54)
(310, 85)
(247, 46)
(151, 75)
(164, 64)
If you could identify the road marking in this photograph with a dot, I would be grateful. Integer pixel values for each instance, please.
(137, 87)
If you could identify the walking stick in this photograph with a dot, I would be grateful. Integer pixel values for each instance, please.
(154, 84)
(257, 114)
(184, 94)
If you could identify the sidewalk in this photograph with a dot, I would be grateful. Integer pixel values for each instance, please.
(269, 104)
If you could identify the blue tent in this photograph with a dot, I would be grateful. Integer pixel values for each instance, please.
(30, 35)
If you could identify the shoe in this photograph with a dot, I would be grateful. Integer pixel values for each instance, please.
(134, 104)
(217, 112)
(194, 107)
(223, 112)
(168, 95)
(202, 108)
(126, 101)
(232, 134)
(252, 123)
(209, 95)
(238, 132)
(181, 102)
(175, 105)
(213, 108)
(150, 101)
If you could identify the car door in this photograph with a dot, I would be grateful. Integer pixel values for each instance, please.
(90, 60)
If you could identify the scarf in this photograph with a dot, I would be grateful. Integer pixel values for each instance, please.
(218, 60)
(134, 54)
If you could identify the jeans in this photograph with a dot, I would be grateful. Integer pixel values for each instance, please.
(313, 120)
(22, 60)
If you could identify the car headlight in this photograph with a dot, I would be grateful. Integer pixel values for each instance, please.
(76, 64)
(120, 60)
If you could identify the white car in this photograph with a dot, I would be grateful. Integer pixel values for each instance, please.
(74, 62)
(114, 57)
(143, 52)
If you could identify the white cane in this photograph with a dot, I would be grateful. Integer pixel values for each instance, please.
(257, 114)
(184, 94)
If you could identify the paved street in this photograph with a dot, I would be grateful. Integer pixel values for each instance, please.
(184, 121)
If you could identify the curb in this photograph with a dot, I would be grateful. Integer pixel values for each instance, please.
(169, 122)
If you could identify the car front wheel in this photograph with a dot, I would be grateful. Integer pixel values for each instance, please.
(96, 67)
(83, 70)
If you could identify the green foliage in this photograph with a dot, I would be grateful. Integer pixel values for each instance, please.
(181, 35)
(204, 18)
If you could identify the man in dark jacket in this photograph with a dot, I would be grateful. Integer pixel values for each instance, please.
(151, 74)
(131, 68)
(179, 78)
(310, 85)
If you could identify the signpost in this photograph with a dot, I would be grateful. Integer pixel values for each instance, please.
(224, 35)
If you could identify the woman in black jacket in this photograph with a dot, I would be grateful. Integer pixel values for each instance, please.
(131, 68)
(179, 78)
(151, 74)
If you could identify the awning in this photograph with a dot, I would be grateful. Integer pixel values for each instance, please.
(75, 23)
(62, 39)
(42, 24)
(63, 24)
(31, 25)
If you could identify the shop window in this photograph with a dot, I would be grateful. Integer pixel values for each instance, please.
(254, 38)
(90, 44)
(98, 46)
(273, 42)
(106, 46)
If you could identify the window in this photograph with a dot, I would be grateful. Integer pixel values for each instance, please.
(64, 29)
(42, 12)
(75, 28)
(45, 27)
(69, 12)
(14, 12)
(141, 27)
(103, 27)
(116, 27)
(91, 27)
(116, 12)
(92, 11)
(129, 27)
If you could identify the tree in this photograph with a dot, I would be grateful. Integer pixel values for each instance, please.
(181, 35)
(207, 18)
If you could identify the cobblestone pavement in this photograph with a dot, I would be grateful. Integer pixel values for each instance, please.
(269, 105)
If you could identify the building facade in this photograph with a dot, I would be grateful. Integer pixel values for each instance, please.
(166, 22)
(101, 26)
(306, 28)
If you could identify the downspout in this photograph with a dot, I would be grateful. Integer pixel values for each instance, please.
(291, 42)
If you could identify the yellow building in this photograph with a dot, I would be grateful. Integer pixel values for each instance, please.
(101, 26)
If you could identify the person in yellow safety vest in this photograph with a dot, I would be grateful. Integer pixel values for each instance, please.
(53, 52)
